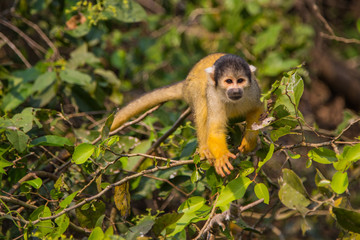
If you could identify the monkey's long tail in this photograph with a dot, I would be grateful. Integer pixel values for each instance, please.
(147, 101)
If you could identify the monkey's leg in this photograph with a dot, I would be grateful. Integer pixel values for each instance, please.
(250, 136)
(216, 143)
(200, 111)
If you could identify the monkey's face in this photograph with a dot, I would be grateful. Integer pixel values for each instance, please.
(233, 85)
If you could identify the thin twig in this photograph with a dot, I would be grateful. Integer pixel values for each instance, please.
(208, 220)
(23, 35)
(225, 216)
(141, 117)
(331, 35)
(250, 205)
(168, 182)
(106, 189)
(17, 202)
(143, 155)
(163, 137)
(347, 128)
(340, 39)
(322, 19)
(15, 49)
(56, 53)
(35, 174)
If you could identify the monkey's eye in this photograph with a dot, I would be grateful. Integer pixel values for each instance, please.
(229, 81)
(240, 80)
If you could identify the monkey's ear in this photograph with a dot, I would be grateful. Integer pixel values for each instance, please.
(252, 68)
(210, 72)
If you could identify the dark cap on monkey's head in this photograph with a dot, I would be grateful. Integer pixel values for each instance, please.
(230, 62)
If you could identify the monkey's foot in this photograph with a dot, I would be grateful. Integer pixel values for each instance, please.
(247, 145)
(222, 164)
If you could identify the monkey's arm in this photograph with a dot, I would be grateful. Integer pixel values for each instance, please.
(250, 136)
(216, 143)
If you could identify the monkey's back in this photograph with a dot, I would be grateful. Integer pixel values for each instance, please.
(196, 82)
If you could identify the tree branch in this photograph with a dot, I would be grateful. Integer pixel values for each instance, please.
(122, 181)
(15, 49)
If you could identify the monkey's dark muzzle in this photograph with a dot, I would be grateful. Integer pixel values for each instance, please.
(235, 94)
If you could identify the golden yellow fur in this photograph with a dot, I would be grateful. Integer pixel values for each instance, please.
(211, 105)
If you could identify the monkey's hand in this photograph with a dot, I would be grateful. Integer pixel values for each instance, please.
(205, 153)
(249, 141)
(222, 163)
(217, 145)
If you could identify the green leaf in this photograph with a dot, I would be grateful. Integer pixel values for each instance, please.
(274, 64)
(27, 75)
(351, 153)
(292, 192)
(164, 221)
(196, 159)
(44, 227)
(24, 120)
(111, 140)
(75, 77)
(358, 25)
(80, 31)
(44, 81)
(293, 155)
(233, 190)
(296, 88)
(96, 234)
(125, 11)
(195, 176)
(339, 182)
(109, 232)
(83, 152)
(142, 228)
(277, 133)
(214, 180)
(193, 210)
(63, 223)
(261, 191)
(341, 165)
(18, 139)
(107, 126)
(16, 96)
(100, 221)
(320, 180)
(267, 38)
(3, 164)
(66, 202)
(191, 205)
(267, 157)
(81, 56)
(322, 155)
(89, 214)
(51, 140)
(36, 183)
(347, 219)
(109, 76)
(253, 7)
(189, 149)
(246, 168)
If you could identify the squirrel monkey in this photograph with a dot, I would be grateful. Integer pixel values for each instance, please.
(219, 87)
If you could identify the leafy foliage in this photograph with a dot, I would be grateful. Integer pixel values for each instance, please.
(64, 175)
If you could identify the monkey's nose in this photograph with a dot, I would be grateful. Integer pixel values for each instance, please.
(235, 94)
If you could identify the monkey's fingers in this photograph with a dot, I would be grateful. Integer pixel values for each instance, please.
(223, 164)
(219, 171)
(231, 155)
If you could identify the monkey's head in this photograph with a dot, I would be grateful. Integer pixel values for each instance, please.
(231, 75)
